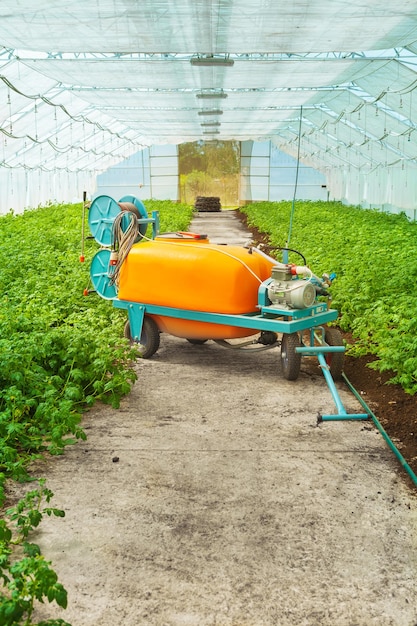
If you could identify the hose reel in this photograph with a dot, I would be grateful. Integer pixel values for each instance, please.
(103, 211)
(101, 217)
(284, 291)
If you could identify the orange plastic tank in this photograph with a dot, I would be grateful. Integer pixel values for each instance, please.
(195, 275)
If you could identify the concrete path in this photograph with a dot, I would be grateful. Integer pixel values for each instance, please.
(212, 498)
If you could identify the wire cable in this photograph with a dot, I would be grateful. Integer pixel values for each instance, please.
(75, 118)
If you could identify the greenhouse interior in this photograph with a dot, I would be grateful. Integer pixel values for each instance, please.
(221, 402)
(91, 86)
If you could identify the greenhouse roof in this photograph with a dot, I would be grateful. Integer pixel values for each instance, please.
(85, 84)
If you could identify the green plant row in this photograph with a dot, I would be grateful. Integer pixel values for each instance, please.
(59, 350)
(174, 216)
(26, 576)
(374, 257)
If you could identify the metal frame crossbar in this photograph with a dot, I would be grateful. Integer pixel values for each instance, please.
(269, 319)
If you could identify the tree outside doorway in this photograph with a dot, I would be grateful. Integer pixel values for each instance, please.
(210, 168)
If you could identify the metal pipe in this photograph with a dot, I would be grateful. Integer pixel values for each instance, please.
(285, 253)
(382, 431)
(313, 350)
(342, 413)
(319, 352)
(82, 257)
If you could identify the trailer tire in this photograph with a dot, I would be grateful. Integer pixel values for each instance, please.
(149, 340)
(290, 359)
(335, 360)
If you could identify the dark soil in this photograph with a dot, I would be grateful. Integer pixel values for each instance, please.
(394, 409)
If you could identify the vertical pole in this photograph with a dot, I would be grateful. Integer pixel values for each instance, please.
(82, 257)
(285, 252)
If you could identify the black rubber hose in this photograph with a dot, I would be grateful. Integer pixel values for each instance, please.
(291, 250)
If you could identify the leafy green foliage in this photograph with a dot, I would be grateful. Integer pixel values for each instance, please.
(59, 350)
(26, 575)
(173, 216)
(373, 255)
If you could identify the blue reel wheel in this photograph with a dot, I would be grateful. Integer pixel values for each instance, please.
(101, 215)
(103, 211)
(99, 273)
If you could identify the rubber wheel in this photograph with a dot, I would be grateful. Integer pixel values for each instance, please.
(335, 360)
(149, 339)
(197, 342)
(290, 359)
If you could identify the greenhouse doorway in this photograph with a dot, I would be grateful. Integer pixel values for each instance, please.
(209, 168)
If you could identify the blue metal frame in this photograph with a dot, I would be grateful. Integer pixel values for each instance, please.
(154, 220)
(320, 352)
(294, 320)
(268, 318)
(271, 318)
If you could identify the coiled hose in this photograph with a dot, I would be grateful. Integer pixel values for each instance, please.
(122, 241)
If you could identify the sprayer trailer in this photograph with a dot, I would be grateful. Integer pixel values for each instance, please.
(181, 284)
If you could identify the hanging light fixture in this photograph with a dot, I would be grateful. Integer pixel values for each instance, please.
(211, 94)
(211, 61)
(211, 112)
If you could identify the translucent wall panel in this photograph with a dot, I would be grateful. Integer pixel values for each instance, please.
(254, 181)
(129, 177)
(150, 173)
(393, 189)
(24, 189)
(311, 184)
(269, 174)
(164, 172)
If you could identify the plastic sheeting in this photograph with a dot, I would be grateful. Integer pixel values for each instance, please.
(205, 26)
(84, 85)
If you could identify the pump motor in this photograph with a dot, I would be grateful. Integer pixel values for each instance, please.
(289, 291)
